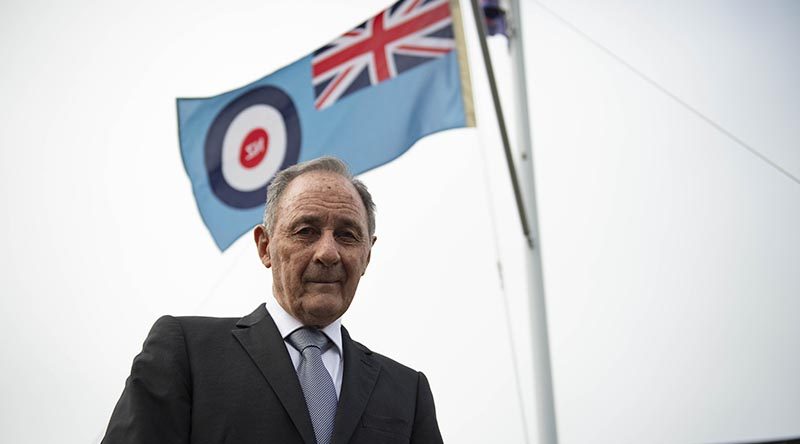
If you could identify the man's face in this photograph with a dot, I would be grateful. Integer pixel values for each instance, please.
(319, 248)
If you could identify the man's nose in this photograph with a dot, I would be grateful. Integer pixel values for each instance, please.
(327, 251)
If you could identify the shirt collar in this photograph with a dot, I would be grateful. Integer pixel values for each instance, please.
(287, 323)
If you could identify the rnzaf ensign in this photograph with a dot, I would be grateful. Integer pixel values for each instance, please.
(365, 98)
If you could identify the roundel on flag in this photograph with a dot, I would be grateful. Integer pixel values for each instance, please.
(252, 138)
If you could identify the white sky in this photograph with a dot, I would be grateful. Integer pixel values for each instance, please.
(671, 254)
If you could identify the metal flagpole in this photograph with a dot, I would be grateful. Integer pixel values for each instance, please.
(543, 381)
(477, 13)
(545, 401)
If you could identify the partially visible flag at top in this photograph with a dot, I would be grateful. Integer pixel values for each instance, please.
(495, 16)
(365, 98)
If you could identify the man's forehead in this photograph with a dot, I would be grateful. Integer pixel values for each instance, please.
(316, 192)
(316, 184)
(308, 215)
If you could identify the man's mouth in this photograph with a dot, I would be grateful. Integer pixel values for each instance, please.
(323, 277)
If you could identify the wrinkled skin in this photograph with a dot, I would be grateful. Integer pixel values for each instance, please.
(319, 248)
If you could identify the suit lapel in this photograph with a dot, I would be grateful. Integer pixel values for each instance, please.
(263, 342)
(360, 374)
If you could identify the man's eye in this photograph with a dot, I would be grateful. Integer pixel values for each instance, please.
(305, 231)
(347, 236)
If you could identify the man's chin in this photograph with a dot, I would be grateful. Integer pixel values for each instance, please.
(320, 309)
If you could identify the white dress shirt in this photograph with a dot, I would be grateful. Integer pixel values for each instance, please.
(332, 358)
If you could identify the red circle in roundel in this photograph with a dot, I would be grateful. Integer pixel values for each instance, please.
(254, 148)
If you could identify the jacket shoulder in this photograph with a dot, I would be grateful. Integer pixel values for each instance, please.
(386, 362)
(213, 325)
(201, 332)
(204, 323)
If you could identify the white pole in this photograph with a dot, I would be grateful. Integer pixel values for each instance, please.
(525, 195)
(543, 381)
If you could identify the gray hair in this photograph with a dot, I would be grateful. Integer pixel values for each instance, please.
(326, 163)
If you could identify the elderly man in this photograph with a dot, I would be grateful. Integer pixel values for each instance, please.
(288, 372)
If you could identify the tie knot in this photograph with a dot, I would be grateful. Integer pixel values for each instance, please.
(305, 337)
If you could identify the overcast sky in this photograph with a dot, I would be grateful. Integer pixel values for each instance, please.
(670, 251)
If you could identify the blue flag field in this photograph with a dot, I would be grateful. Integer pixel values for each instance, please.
(365, 98)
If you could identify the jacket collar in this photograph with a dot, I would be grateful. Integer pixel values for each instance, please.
(263, 342)
(360, 375)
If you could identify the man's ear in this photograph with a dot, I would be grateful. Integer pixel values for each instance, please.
(262, 244)
(369, 255)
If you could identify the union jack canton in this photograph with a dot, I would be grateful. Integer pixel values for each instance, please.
(407, 34)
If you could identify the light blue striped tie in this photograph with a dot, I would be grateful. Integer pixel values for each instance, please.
(315, 380)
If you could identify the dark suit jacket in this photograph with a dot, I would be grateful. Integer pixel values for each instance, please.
(219, 380)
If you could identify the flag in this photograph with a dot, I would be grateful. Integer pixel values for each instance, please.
(495, 16)
(365, 98)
